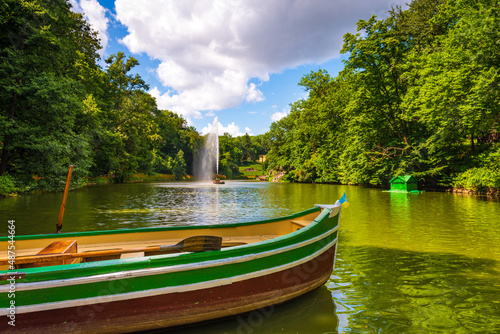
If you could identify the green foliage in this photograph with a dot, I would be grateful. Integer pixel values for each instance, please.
(227, 166)
(477, 179)
(140, 177)
(178, 165)
(58, 107)
(43, 128)
(418, 95)
(238, 153)
(251, 169)
(97, 180)
(7, 185)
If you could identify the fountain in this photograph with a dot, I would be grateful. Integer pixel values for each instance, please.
(208, 160)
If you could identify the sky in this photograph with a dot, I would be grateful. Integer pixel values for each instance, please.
(237, 60)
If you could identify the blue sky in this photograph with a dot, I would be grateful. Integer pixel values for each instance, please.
(237, 60)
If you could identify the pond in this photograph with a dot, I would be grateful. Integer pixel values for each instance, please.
(406, 263)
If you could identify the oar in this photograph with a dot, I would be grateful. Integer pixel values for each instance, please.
(202, 243)
(63, 205)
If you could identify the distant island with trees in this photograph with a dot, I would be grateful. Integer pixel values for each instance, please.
(419, 94)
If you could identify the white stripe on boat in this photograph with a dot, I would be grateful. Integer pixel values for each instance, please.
(160, 270)
(165, 290)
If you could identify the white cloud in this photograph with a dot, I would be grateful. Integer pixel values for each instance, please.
(249, 131)
(254, 95)
(279, 115)
(212, 93)
(210, 114)
(169, 99)
(231, 128)
(95, 14)
(210, 49)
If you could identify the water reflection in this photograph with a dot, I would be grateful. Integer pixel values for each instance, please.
(161, 204)
(146, 204)
(313, 312)
(380, 290)
(426, 263)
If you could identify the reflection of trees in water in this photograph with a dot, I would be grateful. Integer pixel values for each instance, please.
(311, 313)
(393, 291)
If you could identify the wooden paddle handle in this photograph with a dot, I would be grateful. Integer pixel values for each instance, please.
(63, 205)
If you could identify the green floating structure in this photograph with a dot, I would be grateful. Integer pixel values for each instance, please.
(404, 184)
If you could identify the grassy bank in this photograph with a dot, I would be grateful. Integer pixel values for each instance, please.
(250, 170)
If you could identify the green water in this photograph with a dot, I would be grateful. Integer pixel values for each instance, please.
(406, 263)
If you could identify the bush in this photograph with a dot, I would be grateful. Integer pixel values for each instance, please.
(96, 180)
(477, 178)
(7, 185)
(138, 177)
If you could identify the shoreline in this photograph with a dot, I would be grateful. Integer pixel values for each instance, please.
(490, 193)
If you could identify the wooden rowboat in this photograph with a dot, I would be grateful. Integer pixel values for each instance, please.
(147, 278)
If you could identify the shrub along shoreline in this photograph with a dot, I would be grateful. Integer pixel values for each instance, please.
(9, 189)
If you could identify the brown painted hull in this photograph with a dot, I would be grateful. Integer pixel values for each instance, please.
(175, 309)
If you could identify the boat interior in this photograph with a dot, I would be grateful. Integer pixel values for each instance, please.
(40, 252)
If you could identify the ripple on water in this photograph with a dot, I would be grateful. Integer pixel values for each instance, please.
(426, 263)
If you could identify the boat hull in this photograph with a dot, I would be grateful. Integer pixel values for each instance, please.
(121, 296)
(175, 309)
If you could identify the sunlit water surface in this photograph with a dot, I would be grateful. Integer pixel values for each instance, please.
(426, 263)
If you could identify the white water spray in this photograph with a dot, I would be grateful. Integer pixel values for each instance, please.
(208, 160)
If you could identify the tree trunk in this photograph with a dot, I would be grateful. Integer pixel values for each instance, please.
(7, 139)
(12, 112)
(5, 156)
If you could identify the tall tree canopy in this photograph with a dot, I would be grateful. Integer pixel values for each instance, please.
(418, 94)
(58, 106)
(44, 49)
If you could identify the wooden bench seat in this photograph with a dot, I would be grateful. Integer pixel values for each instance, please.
(298, 224)
(57, 247)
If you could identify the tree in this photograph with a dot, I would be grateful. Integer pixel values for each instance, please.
(41, 96)
(178, 165)
(176, 135)
(128, 129)
(247, 147)
(382, 71)
(456, 94)
(59, 107)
